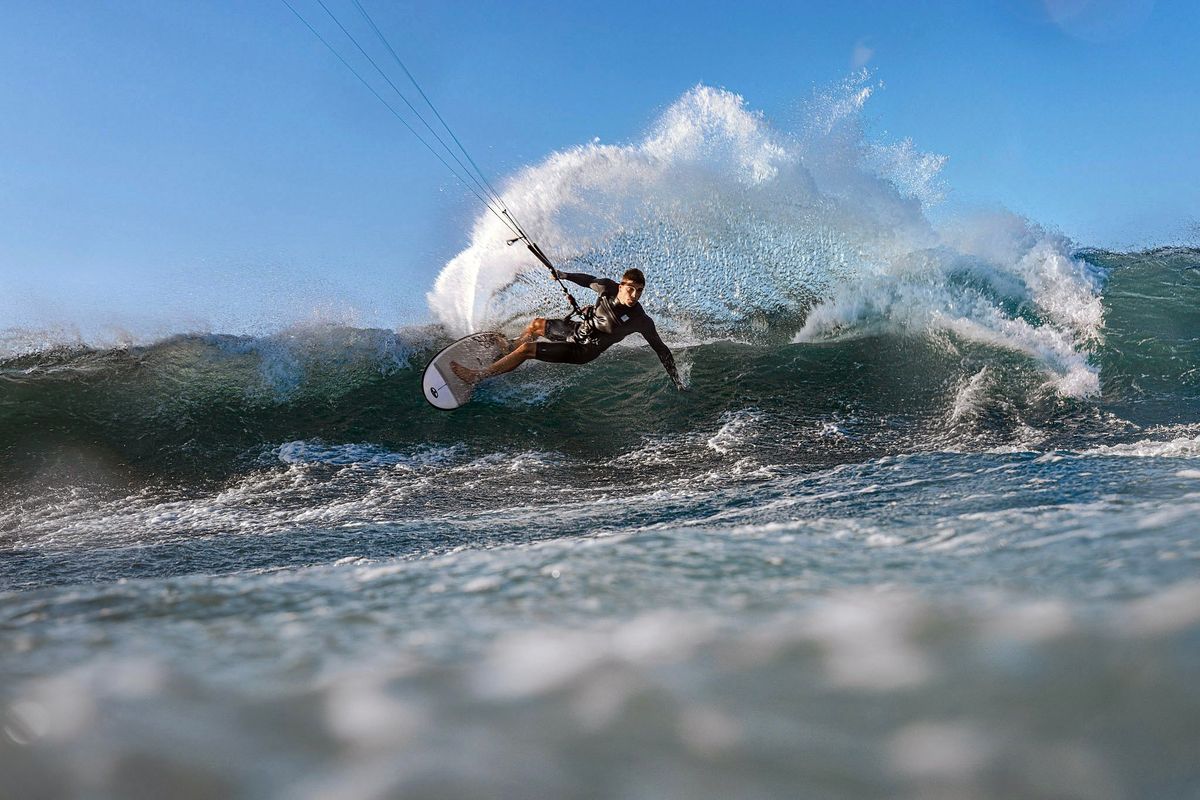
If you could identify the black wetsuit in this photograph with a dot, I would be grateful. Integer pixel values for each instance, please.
(608, 323)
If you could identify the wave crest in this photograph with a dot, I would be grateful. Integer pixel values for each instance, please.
(744, 229)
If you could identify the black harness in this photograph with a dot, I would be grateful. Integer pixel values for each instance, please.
(599, 320)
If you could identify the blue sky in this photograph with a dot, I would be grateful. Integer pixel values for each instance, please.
(203, 164)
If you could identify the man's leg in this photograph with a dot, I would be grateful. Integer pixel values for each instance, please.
(516, 358)
(532, 331)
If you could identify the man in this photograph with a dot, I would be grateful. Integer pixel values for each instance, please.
(615, 315)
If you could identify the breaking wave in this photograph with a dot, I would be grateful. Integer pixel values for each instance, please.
(208, 404)
(750, 232)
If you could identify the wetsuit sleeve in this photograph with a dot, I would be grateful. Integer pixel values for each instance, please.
(597, 285)
(650, 334)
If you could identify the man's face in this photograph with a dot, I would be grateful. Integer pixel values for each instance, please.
(629, 292)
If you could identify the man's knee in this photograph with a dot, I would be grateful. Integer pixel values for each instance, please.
(538, 326)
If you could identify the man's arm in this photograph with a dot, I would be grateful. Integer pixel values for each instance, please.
(597, 285)
(650, 334)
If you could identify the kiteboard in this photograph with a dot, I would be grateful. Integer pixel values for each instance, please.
(445, 390)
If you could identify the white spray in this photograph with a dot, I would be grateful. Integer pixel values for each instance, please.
(738, 225)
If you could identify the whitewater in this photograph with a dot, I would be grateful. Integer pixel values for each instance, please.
(924, 525)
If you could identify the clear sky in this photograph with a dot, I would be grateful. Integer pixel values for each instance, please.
(207, 163)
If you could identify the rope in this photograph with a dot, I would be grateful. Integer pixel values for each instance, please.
(467, 184)
(428, 102)
(406, 101)
(475, 181)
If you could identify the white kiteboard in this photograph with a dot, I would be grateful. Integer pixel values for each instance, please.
(445, 390)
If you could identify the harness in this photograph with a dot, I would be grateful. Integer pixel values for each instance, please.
(596, 320)
(586, 332)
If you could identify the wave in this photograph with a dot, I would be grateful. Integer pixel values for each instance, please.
(751, 232)
(201, 405)
(1178, 447)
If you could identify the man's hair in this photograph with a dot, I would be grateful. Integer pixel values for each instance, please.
(634, 276)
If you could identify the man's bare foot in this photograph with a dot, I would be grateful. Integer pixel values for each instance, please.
(464, 374)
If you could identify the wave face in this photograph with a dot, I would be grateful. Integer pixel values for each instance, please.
(196, 406)
(1151, 353)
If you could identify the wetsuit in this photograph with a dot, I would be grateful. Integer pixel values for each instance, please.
(608, 323)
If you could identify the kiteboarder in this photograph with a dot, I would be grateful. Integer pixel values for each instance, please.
(615, 315)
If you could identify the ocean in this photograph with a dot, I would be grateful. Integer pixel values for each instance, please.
(925, 524)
